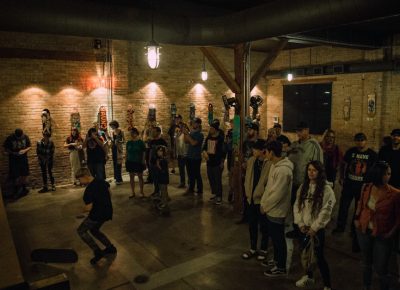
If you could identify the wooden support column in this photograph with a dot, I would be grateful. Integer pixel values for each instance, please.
(222, 71)
(264, 67)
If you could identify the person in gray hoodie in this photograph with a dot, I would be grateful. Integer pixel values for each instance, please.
(255, 181)
(301, 152)
(275, 203)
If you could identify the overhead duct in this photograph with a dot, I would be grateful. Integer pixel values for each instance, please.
(113, 21)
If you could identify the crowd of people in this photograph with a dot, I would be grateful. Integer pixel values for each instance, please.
(283, 182)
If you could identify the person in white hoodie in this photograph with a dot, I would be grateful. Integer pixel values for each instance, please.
(275, 203)
(312, 212)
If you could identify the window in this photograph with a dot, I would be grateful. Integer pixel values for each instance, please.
(310, 103)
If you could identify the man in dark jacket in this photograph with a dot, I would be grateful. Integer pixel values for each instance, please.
(97, 195)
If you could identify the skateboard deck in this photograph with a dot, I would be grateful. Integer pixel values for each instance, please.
(129, 117)
(54, 255)
(102, 118)
(192, 111)
(210, 113)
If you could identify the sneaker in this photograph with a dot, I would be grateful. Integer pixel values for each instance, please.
(188, 192)
(269, 264)
(218, 201)
(262, 255)
(249, 254)
(119, 182)
(337, 230)
(98, 254)
(53, 187)
(305, 282)
(111, 250)
(275, 272)
(43, 190)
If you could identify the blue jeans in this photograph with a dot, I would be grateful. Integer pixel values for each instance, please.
(375, 251)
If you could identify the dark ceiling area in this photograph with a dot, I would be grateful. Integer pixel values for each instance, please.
(364, 24)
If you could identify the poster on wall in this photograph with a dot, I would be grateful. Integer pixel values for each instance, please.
(371, 105)
(346, 109)
(75, 119)
(102, 118)
(129, 117)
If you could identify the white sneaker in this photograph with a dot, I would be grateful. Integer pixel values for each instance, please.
(305, 282)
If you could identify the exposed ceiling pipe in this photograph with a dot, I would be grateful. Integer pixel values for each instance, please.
(113, 21)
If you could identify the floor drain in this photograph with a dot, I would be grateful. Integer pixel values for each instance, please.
(140, 279)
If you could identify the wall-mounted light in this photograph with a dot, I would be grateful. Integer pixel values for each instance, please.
(153, 49)
(289, 76)
(204, 74)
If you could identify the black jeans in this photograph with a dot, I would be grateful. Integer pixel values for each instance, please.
(193, 168)
(350, 191)
(93, 227)
(214, 174)
(182, 167)
(97, 170)
(117, 166)
(47, 167)
(154, 179)
(319, 251)
(375, 251)
(257, 221)
(277, 233)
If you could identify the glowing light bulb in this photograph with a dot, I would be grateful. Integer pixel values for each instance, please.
(289, 77)
(153, 55)
(204, 75)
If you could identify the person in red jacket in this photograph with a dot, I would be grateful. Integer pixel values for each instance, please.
(377, 220)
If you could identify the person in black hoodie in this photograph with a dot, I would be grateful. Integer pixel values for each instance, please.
(97, 196)
(214, 153)
(154, 144)
(161, 176)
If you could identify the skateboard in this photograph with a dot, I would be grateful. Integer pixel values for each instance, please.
(54, 256)
(210, 113)
(129, 117)
(46, 122)
(152, 115)
(173, 111)
(75, 119)
(102, 118)
(192, 111)
(159, 206)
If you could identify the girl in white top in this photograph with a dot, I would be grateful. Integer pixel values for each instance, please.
(312, 212)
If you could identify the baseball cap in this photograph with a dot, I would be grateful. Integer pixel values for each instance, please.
(360, 137)
(260, 144)
(302, 125)
(395, 132)
(253, 126)
(197, 120)
(277, 125)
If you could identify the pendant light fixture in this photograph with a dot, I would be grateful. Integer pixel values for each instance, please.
(204, 74)
(153, 49)
(290, 73)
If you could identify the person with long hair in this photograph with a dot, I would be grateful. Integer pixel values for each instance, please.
(377, 221)
(312, 212)
(332, 155)
(74, 144)
(135, 160)
(117, 140)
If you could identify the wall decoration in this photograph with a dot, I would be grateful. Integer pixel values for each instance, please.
(173, 111)
(129, 117)
(151, 116)
(47, 122)
(210, 113)
(192, 111)
(75, 119)
(102, 118)
(346, 109)
(371, 105)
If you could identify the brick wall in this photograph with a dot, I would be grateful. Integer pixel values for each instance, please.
(31, 83)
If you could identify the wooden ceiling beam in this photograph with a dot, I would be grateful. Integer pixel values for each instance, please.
(220, 68)
(264, 66)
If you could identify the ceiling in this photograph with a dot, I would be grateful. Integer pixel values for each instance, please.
(365, 24)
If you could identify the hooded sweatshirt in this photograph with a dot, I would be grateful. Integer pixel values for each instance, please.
(300, 154)
(305, 218)
(276, 198)
(249, 179)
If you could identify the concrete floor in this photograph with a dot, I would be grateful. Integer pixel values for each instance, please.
(197, 247)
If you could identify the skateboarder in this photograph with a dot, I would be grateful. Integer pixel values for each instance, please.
(97, 195)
